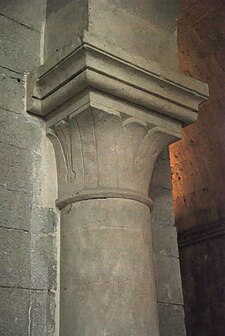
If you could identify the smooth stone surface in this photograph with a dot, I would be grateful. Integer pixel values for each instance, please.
(106, 258)
(120, 309)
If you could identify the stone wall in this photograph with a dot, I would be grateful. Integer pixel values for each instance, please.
(198, 169)
(202, 267)
(168, 280)
(28, 228)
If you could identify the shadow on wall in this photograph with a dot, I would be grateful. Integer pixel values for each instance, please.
(198, 167)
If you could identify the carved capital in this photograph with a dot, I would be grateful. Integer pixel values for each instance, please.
(106, 154)
(109, 119)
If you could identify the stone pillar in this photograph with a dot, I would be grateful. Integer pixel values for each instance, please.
(109, 116)
(105, 161)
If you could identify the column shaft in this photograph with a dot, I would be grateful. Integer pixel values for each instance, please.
(107, 275)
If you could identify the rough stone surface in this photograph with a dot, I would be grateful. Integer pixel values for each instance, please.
(12, 91)
(202, 269)
(163, 211)
(25, 312)
(25, 12)
(15, 208)
(165, 249)
(168, 280)
(15, 260)
(28, 220)
(165, 241)
(28, 260)
(12, 176)
(121, 23)
(198, 168)
(14, 37)
(170, 317)
(73, 11)
(20, 131)
(148, 21)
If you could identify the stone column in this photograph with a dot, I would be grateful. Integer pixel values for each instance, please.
(105, 162)
(109, 120)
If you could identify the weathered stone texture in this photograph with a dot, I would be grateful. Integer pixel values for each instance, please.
(15, 37)
(163, 212)
(15, 208)
(168, 280)
(28, 222)
(20, 131)
(109, 24)
(25, 12)
(202, 269)
(25, 312)
(167, 268)
(165, 240)
(73, 18)
(28, 260)
(13, 176)
(171, 319)
(15, 260)
(12, 91)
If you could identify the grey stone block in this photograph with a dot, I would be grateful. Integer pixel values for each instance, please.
(163, 208)
(18, 168)
(58, 36)
(29, 13)
(171, 320)
(25, 41)
(168, 280)
(165, 241)
(15, 263)
(159, 13)
(21, 131)
(42, 313)
(43, 261)
(28, 260)
(26, 312)
(111, 25)
(15, 209)
(162, 176)
(12, 91)
(14, 312)
(43, 220)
